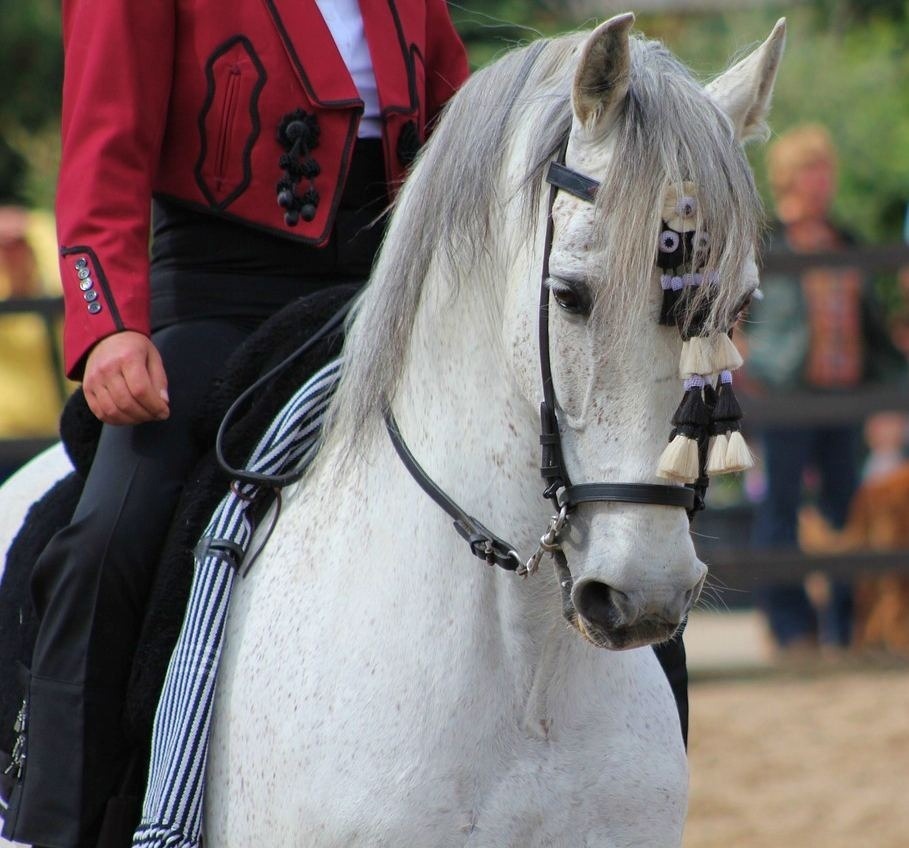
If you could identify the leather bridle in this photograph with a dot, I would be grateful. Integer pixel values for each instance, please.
(565, 495)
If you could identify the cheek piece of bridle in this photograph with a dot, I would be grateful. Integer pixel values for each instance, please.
(564, 495)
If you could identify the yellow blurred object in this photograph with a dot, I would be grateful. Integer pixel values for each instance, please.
(30, 399)
(30, 394)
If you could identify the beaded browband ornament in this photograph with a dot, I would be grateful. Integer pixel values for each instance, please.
(706, 437)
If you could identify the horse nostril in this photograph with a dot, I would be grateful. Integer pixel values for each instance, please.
(600, 604)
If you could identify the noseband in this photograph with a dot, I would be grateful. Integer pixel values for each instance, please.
(564, 495)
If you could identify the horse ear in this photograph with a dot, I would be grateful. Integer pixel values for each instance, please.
(601, 80)
(744, 90)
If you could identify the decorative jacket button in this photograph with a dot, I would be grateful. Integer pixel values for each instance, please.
(90, 296)
(81, 262)
(295, 130)
(83, 273)
(86, 284)
(94, 307)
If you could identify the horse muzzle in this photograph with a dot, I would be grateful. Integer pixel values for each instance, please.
(610, 618)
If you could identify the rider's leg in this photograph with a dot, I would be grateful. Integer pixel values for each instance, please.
(90, 587)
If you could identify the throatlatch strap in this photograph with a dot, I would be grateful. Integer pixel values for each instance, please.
(172, 811)
(483, 543)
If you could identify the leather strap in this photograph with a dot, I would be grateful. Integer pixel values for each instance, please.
(639, 493)
(483, 543)
(552, 467)
(574, 183)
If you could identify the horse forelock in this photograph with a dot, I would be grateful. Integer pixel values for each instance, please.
(669, 131)
(446, 212)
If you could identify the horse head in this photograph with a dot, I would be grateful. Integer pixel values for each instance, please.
(661, 148)
(447, 334)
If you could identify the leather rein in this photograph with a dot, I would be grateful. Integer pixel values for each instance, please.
(564, 495)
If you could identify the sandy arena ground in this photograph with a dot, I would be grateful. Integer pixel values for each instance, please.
(816, 759)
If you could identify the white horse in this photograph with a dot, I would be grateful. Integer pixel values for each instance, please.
(380, 685)
(382, 688)
(17, 495)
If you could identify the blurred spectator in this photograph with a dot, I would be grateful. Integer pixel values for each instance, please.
(885, 437)
(30, 395)
(818, 331)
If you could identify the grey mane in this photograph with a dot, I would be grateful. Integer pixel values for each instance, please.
(669, 131)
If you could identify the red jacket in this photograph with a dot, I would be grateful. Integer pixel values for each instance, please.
(229, 105)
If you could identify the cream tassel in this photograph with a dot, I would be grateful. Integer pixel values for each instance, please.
(716, 458)
(738, 454)
(696, 357)
(679, 460)
(725, 355)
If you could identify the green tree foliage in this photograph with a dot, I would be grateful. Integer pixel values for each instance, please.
(846, 66)
(31, 70)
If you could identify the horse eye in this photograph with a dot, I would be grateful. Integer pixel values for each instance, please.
(572, 297)
(741, 312)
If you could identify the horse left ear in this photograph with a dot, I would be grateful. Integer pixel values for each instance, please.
(744, 90)
(601, 79)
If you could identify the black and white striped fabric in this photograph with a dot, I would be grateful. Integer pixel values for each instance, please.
(172, 810)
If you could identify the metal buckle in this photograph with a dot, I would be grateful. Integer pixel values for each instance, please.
(549, 543)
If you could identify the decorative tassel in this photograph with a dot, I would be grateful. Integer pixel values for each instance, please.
(727, 407)
(734, 455)
(725, 355)
(709, 355)
(692, 411)
(716, 457)
(696, 357)
(738, 455)
(680, 459)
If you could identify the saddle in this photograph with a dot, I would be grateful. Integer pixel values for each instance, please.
(268, 346)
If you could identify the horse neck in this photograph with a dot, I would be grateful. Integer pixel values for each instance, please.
(473, 431)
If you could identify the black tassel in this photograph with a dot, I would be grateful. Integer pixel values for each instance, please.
(692, 412)
(727, 406)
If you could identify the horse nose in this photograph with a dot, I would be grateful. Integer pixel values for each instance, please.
(602, 605)
(611, 609)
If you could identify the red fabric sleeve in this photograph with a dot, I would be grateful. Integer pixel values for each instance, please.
(118, 68)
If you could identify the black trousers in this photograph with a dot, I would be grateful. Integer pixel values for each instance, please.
(90, 588)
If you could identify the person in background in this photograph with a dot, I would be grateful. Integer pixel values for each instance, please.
(885, 438)
(266, 138)
(31, 389)
(817, 331)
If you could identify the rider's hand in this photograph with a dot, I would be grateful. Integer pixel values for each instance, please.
(124, 380)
